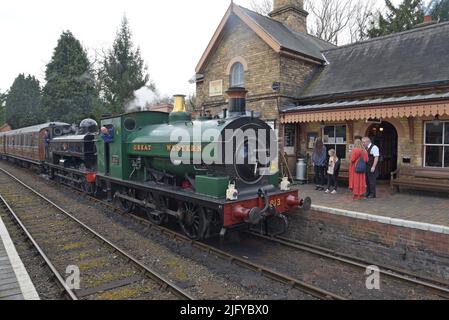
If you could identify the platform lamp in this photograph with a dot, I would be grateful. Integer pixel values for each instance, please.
(436, 121)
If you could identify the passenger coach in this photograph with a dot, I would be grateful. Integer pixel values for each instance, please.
(28, 144)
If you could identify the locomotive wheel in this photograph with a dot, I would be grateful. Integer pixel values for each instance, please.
(156, 219)
(193, 222)
(125, 205)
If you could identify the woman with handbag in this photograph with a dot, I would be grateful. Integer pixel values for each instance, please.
(357, 170)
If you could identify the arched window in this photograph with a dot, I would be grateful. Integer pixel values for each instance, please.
(237, 75)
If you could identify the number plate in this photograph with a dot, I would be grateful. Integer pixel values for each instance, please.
(277, 202)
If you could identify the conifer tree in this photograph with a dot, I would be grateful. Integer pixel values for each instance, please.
(70, 89)
(123, 71)
(23, 103)
(439, 9)
(404, 17)
(2, 108)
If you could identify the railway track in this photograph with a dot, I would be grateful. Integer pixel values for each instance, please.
(211, 250)
(62, 241)
(439, 288)
(291, 282)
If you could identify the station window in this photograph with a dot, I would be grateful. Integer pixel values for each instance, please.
(237, 75)
(289, 135)
(334, 137)
(436, 144)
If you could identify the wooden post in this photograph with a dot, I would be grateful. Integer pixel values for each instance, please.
(411, 129)
(350, 125)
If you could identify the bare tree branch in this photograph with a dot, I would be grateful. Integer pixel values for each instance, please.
(364, 14)
(263, 7)
(330, 17)
(340, 21)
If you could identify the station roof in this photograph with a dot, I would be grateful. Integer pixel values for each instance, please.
(414, 58)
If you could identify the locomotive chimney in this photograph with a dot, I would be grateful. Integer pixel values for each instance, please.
(180, 103)
(179, 113)
(237, 101)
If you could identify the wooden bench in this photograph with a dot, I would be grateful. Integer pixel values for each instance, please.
(428, 179)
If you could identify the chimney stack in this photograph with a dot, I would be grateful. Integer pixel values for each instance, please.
(427, 22)
(291, 13)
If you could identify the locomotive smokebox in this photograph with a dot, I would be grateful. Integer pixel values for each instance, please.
(237, 101)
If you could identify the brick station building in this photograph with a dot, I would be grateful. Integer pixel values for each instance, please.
(394, 89)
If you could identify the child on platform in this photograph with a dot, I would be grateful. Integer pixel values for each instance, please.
(333, 170)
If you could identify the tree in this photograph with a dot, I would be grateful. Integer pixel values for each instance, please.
(330, 18)
(439, 9)
(404, 17)
(122, 72)
(362, 17)
(335, 21)
(263, 7)
(191, 102)
(23, 103)
(70, 89)
(2, 108)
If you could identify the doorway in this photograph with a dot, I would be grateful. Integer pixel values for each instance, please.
(385, 136)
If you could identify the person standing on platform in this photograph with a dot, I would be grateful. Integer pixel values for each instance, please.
(357, 170)
(333, 169)
(371, 169)
(319, 158)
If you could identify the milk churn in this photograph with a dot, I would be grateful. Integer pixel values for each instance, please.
(301, 170)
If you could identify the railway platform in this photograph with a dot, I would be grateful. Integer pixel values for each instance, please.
(15, 283)
(409, 209)
(408, 230)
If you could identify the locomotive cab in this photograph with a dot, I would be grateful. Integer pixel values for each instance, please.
(75, 148)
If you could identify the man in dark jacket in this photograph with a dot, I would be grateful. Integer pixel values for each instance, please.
(319, 158)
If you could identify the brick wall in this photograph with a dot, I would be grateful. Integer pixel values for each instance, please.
(294, 75)
(265, 66)
(423, 252)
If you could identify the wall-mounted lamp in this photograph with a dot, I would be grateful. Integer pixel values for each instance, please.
(323, 125)
(381, 129)
(436, 121)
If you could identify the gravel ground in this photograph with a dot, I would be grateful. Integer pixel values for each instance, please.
(66, 244)
(204, 277)
(336, 277)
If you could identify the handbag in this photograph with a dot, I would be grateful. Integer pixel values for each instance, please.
(360, 166)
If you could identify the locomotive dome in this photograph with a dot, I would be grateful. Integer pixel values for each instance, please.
(88, 126)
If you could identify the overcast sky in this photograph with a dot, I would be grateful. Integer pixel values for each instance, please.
(172, 34)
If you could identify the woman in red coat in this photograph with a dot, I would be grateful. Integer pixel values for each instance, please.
(357, 181)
